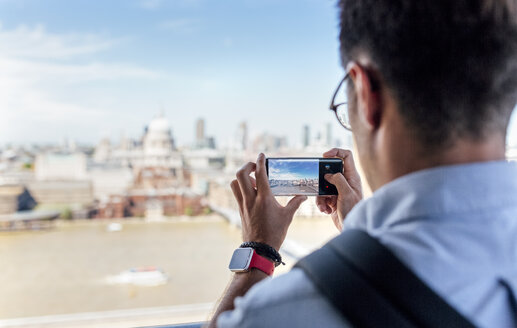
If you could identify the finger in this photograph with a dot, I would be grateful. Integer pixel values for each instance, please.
(332, 203)
(349, 170)
(243, 178)
(261, 175)
(253, 182)
(345, 154)
(321, 202)
(337, 152)
(295, 202)
(237, 192)
(330, 153)
(338, 180)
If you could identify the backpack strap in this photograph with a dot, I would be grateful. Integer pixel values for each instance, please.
(371, 287)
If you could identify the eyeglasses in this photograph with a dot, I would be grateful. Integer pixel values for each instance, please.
(341, 108)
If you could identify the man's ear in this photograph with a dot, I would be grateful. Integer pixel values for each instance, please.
(368, 106)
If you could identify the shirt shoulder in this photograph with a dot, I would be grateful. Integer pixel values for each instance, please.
(289, 300)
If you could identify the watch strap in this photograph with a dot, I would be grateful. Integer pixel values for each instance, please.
(261, 263)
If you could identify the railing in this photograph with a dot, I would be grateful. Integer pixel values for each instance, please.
(141, 317)
(185, 325)
(290, 247)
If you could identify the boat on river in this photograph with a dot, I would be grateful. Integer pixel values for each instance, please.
(141, 276)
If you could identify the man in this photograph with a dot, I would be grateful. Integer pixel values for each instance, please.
(431, 86)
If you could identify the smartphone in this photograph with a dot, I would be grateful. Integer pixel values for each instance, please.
(302, 175)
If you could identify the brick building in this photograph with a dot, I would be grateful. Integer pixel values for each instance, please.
(156, 193)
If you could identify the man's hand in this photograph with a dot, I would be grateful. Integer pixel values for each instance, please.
(263, 218)
(348, 185)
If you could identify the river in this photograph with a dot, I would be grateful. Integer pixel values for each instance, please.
(67, 269)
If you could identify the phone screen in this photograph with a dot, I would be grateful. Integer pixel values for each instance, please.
(302, 176)
(288, 176)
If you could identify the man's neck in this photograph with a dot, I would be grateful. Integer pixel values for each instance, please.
(466, 151)
(407, 160)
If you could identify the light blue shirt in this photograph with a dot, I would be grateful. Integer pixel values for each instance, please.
(454, 226)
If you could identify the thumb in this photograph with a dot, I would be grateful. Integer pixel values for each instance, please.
(338, 180)
(295, 202)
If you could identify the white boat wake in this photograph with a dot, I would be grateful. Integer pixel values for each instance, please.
(141, 276)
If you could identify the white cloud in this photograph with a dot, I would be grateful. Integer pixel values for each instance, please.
(178, 25)
(282, 173)
(36, 42)
(34, 71)
(150, 4)
(35, 66)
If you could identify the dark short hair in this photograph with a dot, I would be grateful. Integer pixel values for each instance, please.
(452, 64)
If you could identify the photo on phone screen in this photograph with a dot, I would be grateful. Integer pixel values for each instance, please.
(302, 176)
(294, 176)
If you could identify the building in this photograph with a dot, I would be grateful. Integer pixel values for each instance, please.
(242, 136)
(204, 159)
(74, 194)
(52, 166)
(109, 179)
(202, 140)
(114, 207)
(158, 178)
(328, 134)
(156, 192)
(306, 136)
(158, 145)
(155, 149)
(200, 132)
(14, 198)
(269, 143)
(147, 178)
(103, 151)
(154, 204)
(62, 182)
(16, 176)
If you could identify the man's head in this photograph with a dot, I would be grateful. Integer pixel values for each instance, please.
(447, 67)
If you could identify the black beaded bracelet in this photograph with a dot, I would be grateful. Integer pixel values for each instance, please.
(264, 250)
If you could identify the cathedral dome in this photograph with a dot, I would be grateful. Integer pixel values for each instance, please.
(159, 125)
(158, 139)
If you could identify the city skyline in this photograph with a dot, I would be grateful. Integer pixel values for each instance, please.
(242, 139)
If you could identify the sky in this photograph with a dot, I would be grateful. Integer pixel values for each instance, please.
(86, 70)
(293, 170)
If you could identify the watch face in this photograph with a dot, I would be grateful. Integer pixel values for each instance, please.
(241, 259)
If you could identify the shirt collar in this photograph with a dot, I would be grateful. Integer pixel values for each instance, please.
(438, 191)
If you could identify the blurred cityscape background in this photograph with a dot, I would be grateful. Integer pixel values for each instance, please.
(123, 123)
(129, 223)
(146, 176)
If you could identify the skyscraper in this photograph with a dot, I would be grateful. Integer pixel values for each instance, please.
(242, 136)
(200, 132)
(328, 134)
(306, 137)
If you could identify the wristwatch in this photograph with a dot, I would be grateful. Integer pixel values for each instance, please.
(244, 259)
